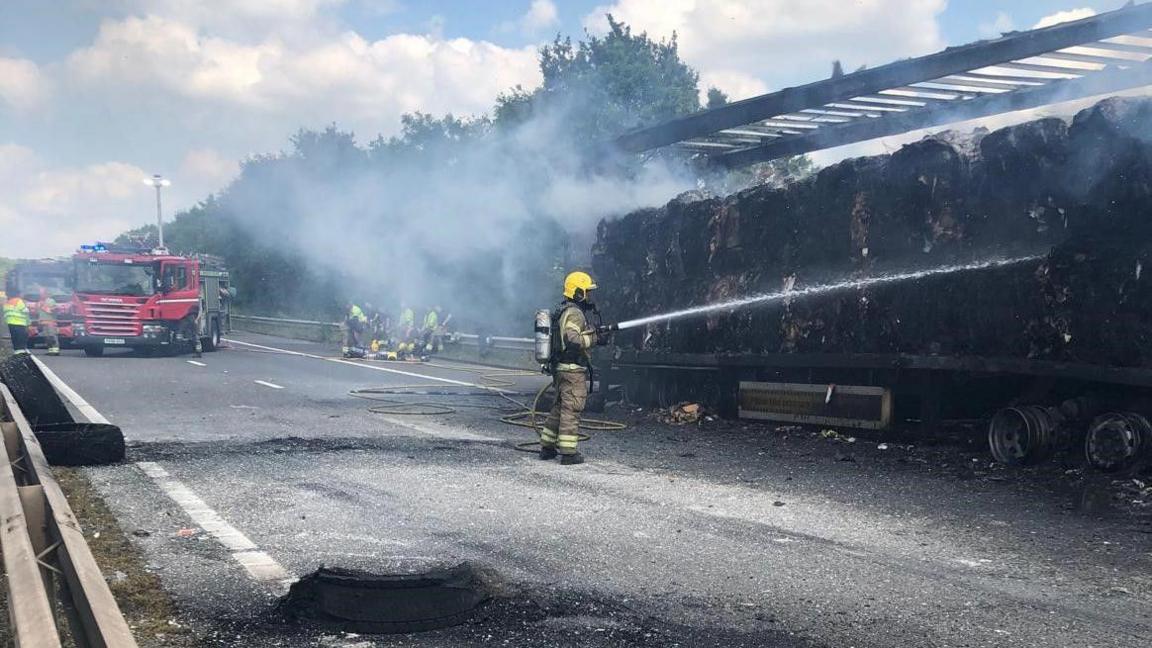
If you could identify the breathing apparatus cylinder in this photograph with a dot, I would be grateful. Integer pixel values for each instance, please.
(543, 336)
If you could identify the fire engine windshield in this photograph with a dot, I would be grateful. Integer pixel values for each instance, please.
(109, 279)
(55, 285)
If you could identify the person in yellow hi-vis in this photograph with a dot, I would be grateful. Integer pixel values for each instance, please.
(17, 317)
(572, 339)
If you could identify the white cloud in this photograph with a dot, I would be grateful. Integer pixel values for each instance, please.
(22, 86)
(195, 87)
(47, 212)
(780, 41)
(541, 15)
(1065, 16)
(1002, 24)
(345, 77)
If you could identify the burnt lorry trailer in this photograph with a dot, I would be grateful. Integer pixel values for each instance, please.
(1032, 308)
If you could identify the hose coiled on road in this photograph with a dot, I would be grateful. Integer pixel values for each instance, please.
(490, 382)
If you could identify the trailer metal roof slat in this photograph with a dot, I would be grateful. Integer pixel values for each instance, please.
(838, 113)
(869, 107)
(923, 93)
(960, 88)
(1019, 63)
(977, 83)
(1045, 69)
(1110, 46)
(1083, 58)
(992, 104)
(1005, 77)
(905, 102)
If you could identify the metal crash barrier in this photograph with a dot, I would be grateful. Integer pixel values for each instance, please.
(333, 331)
(52, 579)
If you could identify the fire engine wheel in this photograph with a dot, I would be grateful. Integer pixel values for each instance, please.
(93, 351)
(212, 342)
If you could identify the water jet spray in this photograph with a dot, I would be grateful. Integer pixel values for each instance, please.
(821, 289)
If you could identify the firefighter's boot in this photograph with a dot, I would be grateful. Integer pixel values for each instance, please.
(53, 351)
(571, 459)
(547, 453)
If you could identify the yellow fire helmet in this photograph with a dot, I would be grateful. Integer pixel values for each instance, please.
(577, 284)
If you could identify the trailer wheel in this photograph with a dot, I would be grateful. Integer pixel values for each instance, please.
(94, 351)
(212, 342)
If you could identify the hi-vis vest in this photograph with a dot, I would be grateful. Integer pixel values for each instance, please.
(16, 312)
(47, 313)
(431, 320)
(357, 314)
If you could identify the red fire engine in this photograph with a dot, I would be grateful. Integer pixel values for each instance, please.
(148, 300)
(50, 277)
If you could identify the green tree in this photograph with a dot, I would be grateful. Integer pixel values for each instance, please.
(607, 84)
(716, 98)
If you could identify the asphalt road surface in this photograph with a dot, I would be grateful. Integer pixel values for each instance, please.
(252, 466)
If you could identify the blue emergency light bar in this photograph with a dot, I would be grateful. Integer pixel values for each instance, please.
(99, 247)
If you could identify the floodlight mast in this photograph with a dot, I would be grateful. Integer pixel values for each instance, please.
(159, 182)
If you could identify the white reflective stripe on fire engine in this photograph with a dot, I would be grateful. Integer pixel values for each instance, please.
(81, 405)
(177, 301)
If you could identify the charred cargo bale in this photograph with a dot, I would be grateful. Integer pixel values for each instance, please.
(1086, 189)
(1098, 304)
(922, 198)
(829, 225)
(1110, 168)
(1021, 195)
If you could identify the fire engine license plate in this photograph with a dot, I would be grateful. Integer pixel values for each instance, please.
(113, 340)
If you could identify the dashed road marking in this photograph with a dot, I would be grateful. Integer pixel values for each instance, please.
(81, 405)
(268, 384)
(198, 364)
(400, 372)
(258, 564)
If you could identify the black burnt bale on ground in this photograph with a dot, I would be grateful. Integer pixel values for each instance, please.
(1078, 196)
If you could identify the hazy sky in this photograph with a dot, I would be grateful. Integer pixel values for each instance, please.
(97, 94)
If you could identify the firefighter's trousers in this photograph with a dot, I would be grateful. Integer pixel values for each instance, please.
(19, 337)
(563, 423)
(51, 334)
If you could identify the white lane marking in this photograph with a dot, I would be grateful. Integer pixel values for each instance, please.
(268, 384)
(259, 564)
(81, 405)
(401, 372)
(198, 364)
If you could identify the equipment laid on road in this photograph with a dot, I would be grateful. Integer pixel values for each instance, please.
(149, 300)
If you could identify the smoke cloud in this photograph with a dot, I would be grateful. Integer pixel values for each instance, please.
(485, 225)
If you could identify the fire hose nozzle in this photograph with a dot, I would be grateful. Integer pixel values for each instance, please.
(605, 331)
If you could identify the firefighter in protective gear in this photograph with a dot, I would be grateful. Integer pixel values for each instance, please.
(573, 338)
(355, 322)
(17, 317)
(48, 326)
(431, 331)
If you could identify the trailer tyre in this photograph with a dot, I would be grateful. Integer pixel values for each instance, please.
(80, 444)
(93, 351)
